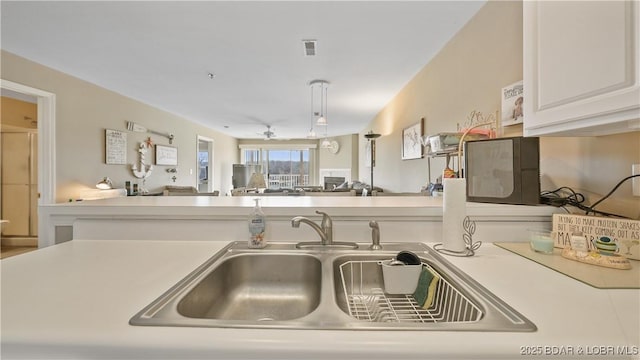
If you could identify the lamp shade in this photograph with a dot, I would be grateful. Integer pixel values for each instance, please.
(104, 184)
(311, 134)
(257, 181)
(321, 121)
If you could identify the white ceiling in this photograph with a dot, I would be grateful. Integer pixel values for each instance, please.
(160, 53)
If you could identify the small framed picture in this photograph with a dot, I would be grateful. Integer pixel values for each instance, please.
(411, 141)
(166, 155)
(512, 99)
(115, 147)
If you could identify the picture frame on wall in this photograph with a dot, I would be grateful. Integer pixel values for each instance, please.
(411, 141)
(512, 104)
(166, 155)
(115, 147)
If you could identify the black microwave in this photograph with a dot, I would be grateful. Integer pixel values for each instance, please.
(503, 170)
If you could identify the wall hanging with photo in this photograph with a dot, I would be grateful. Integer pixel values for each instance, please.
(512, 99)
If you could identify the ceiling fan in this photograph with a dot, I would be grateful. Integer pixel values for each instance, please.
(268, 135)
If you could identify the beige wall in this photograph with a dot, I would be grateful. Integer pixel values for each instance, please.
(84, 111)
(467, 74)
(345, 158)
(593, 166)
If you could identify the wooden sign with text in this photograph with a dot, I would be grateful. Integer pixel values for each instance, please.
(624, 232)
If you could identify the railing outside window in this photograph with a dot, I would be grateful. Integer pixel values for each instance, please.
(288, 181)
(283, 168)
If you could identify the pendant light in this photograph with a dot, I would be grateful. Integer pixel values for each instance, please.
(312, 133)
(322, 85)
(322, 120)
(326, 144)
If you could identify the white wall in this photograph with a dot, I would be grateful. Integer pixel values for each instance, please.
(84, 111)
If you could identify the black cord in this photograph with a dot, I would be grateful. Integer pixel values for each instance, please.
(564, 195)
(612, 191)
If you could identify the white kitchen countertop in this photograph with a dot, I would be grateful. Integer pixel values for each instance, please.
(286, 205)
(74, 300)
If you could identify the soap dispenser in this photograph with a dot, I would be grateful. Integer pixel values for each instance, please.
(257, 226)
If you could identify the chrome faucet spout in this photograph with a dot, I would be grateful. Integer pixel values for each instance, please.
(325, 229)
(295, 222)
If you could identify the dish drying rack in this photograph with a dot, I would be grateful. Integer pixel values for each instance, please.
(367, 301)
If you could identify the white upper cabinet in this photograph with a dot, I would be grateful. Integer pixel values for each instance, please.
(581, 67)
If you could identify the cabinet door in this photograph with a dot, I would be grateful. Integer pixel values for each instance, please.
(581, 67)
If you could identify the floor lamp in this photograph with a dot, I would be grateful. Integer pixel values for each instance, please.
(370, 136)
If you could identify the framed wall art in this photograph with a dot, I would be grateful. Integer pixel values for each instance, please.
(512, 99)
(115, 147)
(166, 155)
(411, 141)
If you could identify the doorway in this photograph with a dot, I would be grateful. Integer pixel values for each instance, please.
(18, 172)
(44, 157)
(204, 164)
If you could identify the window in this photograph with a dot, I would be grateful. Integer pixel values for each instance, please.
(287, 168)
(282, 167)
(203, 164)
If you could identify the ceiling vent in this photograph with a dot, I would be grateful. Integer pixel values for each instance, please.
(309, 47)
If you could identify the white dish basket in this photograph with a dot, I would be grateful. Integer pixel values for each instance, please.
(400, 279)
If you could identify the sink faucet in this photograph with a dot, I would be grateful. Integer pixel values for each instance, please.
(325, 230)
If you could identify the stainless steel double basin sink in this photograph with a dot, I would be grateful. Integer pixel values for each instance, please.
(324, 288)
